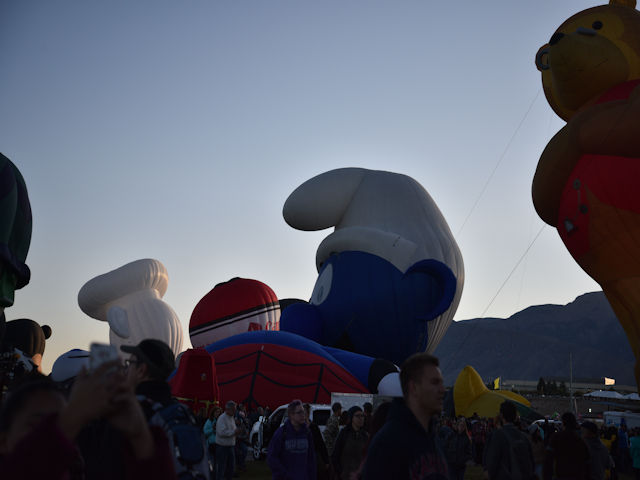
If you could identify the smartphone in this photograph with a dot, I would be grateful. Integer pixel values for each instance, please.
(100, 353)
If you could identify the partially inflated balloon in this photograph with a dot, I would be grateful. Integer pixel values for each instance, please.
(15, 232)
(471, 396)
(27, 336)
(390, 276)
(129, 298)
(195, 382)
(272, 368)
(237, 306)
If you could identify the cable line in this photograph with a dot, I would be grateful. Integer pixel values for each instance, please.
(504, 153)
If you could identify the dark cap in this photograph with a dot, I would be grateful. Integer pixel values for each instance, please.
(156, 355)
(590, 426)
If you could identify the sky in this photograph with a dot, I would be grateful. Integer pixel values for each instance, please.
(176, 130)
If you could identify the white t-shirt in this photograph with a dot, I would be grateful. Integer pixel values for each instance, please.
(226, 430)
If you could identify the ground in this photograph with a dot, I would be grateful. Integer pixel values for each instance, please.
(260, 470)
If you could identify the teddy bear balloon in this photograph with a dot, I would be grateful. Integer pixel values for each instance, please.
(586, 182)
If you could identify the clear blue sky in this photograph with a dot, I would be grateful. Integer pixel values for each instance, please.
(176, 130)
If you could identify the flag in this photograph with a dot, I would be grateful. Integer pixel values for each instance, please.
(609, 381)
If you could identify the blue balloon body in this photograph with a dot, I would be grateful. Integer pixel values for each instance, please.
(362, 303)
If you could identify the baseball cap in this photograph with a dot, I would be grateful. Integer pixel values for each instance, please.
(155, 354)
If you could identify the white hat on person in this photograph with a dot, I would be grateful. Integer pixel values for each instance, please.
(69, 364)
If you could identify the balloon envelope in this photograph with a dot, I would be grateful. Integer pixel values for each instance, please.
(129, 298)
(390, 275)
(237, 306)
(470, 395)
(272, 368)
(195, 382)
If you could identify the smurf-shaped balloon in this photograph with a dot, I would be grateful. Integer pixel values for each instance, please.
(390, 275)
(129, 298)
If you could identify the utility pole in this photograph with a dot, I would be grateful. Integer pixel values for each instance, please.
(571, 404)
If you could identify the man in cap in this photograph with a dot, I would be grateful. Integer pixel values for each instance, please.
(148, 367)
(150, 364)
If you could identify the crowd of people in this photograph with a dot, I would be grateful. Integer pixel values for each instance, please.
(116, 421)
(409, 438)
(98, 424)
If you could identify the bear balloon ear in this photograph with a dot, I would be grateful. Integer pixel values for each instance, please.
(624, 3)
(46, 329)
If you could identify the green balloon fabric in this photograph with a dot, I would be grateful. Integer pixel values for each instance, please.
(15, 231)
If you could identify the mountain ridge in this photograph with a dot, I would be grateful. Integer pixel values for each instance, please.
(536, 342)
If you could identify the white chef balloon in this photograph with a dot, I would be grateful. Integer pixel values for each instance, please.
(129, 298)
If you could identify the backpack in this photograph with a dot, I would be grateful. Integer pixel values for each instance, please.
(186, 440)
(520, 462)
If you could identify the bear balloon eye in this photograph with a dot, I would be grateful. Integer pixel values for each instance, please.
(555, 38)
(597, 25)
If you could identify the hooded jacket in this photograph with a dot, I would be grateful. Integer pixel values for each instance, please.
(403, 449)
(291, 454)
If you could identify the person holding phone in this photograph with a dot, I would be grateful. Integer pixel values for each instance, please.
(39, 427)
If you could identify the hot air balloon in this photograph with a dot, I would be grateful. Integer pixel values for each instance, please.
(129, 298)
(390, 276)
(270, 368)
(15, 232)
(586, 181)
(237, 306)
(27, 336)
(195, 381)
(470, 395)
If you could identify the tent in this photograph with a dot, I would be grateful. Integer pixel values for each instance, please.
(605, 394)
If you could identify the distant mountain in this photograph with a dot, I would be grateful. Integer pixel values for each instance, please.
(536, 342)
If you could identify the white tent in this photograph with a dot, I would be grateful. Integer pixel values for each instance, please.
(632, 396)
(605, 394)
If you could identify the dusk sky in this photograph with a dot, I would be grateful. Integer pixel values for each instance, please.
(176, 130)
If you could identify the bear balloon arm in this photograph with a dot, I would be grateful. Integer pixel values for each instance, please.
(444, 280)
(321, 202)
(119, 321)
(302, 319)
(611, 127)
